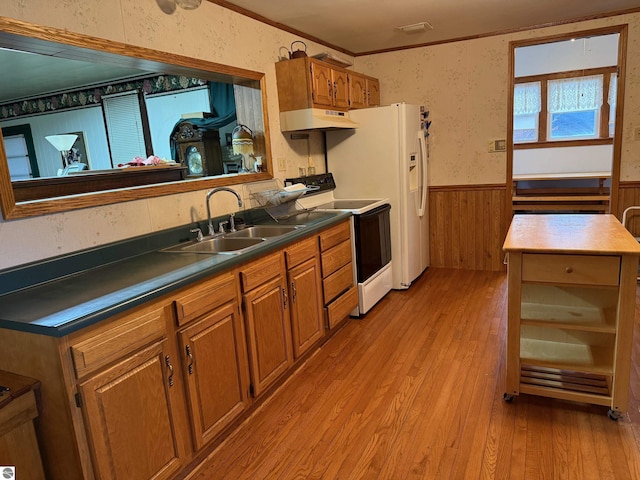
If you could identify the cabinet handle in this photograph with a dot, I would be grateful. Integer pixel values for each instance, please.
(167, 361)
(285, 298)
(568, 270)
(335, 90)
(190, 357)
(330, 88)
(294, 292)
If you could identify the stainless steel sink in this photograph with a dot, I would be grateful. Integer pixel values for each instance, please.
(263, 231)
(225, 244)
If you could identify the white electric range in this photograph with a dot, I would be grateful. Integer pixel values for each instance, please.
(370, 234)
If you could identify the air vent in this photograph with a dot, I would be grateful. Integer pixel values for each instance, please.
(416, 27)
(497, 146)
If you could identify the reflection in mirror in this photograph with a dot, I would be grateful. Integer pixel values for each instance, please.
(131, 119)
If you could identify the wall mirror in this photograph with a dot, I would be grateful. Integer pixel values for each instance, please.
(70, 84)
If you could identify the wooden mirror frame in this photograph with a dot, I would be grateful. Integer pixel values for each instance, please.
(52, 41)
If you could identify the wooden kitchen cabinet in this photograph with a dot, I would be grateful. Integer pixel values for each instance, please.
(214, 359)
(364, 91)
(571, 302)
(129, 416)
(310, 83)
(126, 398)
(304, 283)
(373, 92)
(340, 295)
(266, 310)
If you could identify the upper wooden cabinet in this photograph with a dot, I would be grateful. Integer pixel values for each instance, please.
(364, 91)
(373, 92)
(310, 83)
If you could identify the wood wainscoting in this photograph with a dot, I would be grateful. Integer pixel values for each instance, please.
(467, 226)
(629, 195)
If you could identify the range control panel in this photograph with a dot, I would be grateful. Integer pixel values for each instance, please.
(324, 182)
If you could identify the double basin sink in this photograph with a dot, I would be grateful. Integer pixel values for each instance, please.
(233, 243)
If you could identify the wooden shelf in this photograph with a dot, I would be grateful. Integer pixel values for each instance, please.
(588, 319)
(567, 356)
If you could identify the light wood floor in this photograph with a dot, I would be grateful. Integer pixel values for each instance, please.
(414, 391)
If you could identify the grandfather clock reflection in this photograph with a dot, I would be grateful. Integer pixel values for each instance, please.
(198, 149)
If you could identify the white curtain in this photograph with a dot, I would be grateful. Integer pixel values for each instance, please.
(613, 90)
(526, 98)
(575, 94)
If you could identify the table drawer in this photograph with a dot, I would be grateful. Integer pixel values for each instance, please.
(571, 269)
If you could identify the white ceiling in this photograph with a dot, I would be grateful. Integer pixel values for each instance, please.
(360, 26)
(32, 74)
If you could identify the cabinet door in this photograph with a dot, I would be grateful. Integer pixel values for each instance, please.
(269, 332)
(306, 308)
(357, 91)
(131, 423)
(216, 369)
(321, 85)
(340, 89)
(373, 92)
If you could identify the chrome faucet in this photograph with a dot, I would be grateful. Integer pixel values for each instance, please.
(209, 194)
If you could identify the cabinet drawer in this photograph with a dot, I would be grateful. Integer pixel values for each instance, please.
(301, 251)
(335, 258)
(204, 298)
(334, 235)
(337, 282)
(256, 273)
(576, 269)
(114, 342)
(339, 309)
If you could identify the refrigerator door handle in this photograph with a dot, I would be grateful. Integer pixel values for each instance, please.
(423, 168)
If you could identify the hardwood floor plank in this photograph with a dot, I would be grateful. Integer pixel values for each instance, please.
(414, 391)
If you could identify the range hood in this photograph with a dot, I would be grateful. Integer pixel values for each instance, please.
(315, 119)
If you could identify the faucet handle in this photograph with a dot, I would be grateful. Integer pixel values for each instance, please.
(221, 225)
(199, 237)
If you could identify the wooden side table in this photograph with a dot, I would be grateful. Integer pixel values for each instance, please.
(18, 442)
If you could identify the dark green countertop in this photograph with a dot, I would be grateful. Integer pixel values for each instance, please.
(59, 296)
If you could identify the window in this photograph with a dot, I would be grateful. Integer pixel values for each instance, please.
(124, 127)
(565, 106)
(574, 107)
(526, 109)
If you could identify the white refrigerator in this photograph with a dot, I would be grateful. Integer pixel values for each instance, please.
(387, 157)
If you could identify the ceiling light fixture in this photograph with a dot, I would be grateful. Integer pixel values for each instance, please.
(169, 6)
(416, 27)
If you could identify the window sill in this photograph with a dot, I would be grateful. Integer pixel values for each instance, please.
(564, 143)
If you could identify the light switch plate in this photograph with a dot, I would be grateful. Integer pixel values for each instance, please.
(282, 164)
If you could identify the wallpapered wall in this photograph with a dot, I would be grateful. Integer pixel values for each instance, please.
(464, 84)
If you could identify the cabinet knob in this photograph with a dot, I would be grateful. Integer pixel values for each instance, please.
(568, 269)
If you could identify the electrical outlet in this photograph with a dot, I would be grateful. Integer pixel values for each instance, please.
(282, 164)
(636, 134)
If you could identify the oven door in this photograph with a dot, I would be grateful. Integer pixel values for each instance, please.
(372, 234)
